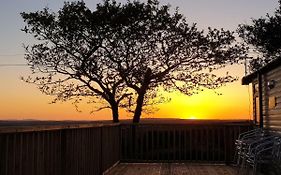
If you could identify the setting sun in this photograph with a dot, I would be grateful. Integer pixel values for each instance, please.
(192, 118)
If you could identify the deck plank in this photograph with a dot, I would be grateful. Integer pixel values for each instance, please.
(170, 169)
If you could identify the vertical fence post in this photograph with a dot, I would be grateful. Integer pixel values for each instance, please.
(101, 150)
(63, 152)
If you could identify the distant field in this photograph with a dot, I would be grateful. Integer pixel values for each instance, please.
(23, 123)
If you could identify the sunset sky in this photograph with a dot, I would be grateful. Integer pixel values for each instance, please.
(19, 100)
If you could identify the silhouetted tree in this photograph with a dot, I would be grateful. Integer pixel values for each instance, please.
(264, 35)
(154, 48)
(118, 50)
(69, 60)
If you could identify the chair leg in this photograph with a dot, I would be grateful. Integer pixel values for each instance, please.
(238, 159)
(242, 167)
(255, 169)
(247, 168)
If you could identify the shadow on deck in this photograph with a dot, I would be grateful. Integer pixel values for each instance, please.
(171, 169)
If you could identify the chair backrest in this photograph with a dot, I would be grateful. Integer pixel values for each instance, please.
(252, 133)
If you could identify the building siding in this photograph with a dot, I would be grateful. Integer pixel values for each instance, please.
(272, 116)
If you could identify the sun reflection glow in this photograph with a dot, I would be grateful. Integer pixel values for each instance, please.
(192, 117)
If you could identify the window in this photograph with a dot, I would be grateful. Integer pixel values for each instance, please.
(257, 110)
(256, 89)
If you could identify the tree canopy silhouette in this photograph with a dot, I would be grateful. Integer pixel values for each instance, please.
(264, 34)
(70, 59)
(123, 53)
(154, 48)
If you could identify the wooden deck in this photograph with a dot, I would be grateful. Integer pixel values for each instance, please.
(171, 169)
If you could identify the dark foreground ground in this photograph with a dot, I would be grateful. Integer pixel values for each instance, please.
(171, 169)
(34, 125)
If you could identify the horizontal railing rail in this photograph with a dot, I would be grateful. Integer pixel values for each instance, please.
(49, 126)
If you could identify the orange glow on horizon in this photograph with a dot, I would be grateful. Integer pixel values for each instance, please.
(24, 101)
(234, 103)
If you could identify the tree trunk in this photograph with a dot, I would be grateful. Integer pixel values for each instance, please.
(138, 109)
(141, 94)
(115, 113)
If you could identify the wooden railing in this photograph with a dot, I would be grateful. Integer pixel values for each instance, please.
(180, 142)
(91, 149)
(85, 149)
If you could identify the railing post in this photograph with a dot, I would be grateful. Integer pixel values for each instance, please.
(101, 150)
(133, 141)
(227, 144)
(63, 151)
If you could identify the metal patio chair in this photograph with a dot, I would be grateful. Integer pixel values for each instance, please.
(261, 153)
(251, 148)
(244, 140)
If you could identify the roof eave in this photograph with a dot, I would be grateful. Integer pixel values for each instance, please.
(270, 66)
(246, 80)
